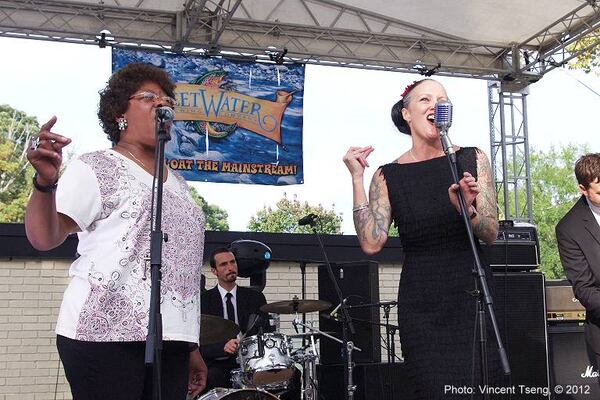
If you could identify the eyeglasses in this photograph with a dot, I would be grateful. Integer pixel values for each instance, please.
(149, 96)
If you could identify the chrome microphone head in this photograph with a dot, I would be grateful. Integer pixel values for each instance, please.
(443, 115)
(165, 114)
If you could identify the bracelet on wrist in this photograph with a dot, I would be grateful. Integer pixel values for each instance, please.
(44, 189)
(360, 207)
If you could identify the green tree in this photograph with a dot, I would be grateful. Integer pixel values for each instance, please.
(284, 218)
(16, 130)
(216, 217)
(589, 60)
(553, 193)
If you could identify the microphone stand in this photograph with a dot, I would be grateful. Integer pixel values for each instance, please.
(481, 291)
(347, 345)
(390, 330)
(154, 342)
(303, 273)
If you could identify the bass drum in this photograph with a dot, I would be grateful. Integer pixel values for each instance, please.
(238, 394)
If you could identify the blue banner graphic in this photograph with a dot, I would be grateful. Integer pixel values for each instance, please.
(235, 122)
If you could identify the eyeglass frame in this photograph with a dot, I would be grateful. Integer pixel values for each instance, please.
(151, 96)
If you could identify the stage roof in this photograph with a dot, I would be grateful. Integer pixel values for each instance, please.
(513, 40)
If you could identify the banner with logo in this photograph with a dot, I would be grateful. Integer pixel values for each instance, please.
(235, 122)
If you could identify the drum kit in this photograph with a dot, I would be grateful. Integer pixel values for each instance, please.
(268, 361)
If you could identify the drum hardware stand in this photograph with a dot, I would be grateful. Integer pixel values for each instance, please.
(481, 291)
(347, 325)
(154, 342)
(276, 321)
(390, 333)
(309, 382)
(261, 343)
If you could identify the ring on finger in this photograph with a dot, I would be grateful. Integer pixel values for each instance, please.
(35, 143)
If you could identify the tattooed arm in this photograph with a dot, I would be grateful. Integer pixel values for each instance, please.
(485, 223)
(372, 223)
(372, 218)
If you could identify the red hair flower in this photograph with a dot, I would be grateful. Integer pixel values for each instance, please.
(408, 88)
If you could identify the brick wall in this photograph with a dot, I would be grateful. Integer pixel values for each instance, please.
(30, 295)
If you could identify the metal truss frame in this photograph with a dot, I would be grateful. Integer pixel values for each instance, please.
(553, 46)
(216, 27)
(509, 145)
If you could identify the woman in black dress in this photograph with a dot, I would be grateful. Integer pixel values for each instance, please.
(436, 312)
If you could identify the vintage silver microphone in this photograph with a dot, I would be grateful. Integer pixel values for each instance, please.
(165, 114)
(443, 121)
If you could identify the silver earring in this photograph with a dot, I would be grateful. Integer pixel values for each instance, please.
(122, 123)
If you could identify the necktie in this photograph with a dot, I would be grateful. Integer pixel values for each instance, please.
(230, 310)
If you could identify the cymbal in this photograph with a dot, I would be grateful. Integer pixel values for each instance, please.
(295, 306)
(213, 329)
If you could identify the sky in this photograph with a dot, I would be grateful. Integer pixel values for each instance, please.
(343, 107)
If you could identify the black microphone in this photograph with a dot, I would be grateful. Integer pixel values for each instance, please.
(443, 121)
(165, 114)
(308, 220)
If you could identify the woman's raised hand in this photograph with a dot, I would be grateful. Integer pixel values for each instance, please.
(356, 159)
(45, 153)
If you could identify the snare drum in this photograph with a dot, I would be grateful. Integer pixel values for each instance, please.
(274, 368)
(237, 394)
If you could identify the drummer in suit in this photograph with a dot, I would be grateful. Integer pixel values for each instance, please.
(236, 303)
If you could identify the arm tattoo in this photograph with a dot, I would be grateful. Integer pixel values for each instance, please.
(380, 208)
(372, 223)
(361, 219)
(486, 224)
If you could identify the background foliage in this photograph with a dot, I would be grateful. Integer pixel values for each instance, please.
(284, 218)
(16, 129)
(216, 217)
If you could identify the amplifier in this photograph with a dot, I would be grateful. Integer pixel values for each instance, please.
(561, 304)
(515, 249)
(570, 365)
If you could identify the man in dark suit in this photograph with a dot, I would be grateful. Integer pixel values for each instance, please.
(243, 303)
(578, 236)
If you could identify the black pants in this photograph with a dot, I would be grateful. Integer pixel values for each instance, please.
(116, 370)
(219, 373)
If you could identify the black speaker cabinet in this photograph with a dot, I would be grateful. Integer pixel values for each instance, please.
(359, 282)
(521, 312)
(570, 368)
(373, 382)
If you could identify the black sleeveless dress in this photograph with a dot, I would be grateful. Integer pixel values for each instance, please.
(436, 314)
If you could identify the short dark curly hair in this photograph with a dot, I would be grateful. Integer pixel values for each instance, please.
(587, 169)
(114, 98)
